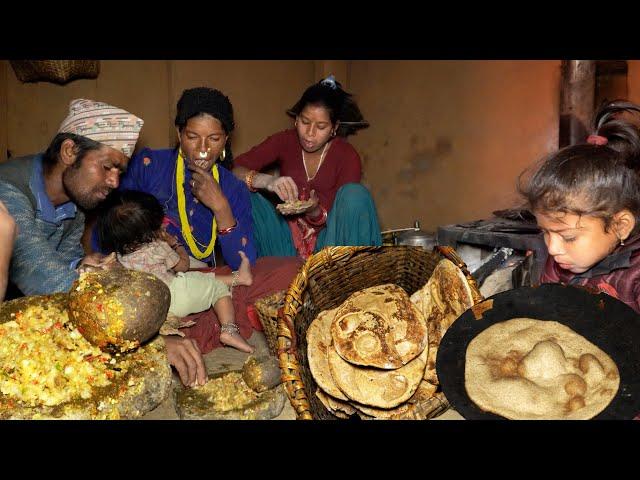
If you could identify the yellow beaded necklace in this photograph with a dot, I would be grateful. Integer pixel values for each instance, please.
(182, 211)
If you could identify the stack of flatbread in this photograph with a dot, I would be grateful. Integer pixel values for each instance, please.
(442, 300)
(370, 355)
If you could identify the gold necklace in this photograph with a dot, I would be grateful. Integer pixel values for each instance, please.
(185, 227)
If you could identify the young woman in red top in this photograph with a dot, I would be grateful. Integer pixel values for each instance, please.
(317, 163)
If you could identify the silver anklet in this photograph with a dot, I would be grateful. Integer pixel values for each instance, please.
(230, 328)
(234, 281)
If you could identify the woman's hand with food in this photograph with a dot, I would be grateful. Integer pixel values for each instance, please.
(284, 187)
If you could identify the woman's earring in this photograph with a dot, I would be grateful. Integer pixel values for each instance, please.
(622, 242)
(223, 154)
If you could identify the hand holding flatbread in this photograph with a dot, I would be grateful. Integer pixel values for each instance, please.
(295, 207)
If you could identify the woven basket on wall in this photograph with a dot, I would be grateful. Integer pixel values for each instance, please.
(57, 71)
(324, 282)
(268, 308)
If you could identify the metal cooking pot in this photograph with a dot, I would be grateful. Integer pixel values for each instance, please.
(413, 237)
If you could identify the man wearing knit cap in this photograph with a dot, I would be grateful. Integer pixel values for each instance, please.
(46, 193)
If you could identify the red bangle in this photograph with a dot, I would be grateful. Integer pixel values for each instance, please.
(224, 231)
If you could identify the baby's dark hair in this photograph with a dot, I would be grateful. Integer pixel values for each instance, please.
(340, 104)
(203, 100)
(128, 220)
(597, 179)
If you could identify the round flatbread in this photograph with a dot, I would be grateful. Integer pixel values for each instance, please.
(364, 416)
(424, 392)
(534, 369)
(418, 407)
(318, 342)
(376, 387)
(339, 408)
(398, 413)
(379, 327)
(445, 297)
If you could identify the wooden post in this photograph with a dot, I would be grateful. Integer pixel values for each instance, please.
(577, 99)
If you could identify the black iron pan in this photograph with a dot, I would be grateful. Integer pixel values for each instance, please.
(605, 321)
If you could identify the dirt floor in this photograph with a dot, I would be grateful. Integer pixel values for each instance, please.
(223, 359)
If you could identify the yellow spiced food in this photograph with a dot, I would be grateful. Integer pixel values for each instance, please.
(49, 370)
(228, 392)
(44, 360)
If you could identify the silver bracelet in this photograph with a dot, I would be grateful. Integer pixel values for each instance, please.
(234, 278)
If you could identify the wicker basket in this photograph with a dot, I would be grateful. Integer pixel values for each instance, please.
(268, 308)
(324, 282)
(57, 71)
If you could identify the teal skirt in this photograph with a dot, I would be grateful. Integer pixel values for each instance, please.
(353, 220)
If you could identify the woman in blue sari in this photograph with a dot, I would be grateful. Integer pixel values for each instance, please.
(206, 205)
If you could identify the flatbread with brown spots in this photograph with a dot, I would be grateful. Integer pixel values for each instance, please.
(379, 327)
(376, 387)
(526, 369)
(442, 300)
(318, 342)
(339, 408)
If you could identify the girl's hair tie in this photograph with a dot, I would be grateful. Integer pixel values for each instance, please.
(597, 140)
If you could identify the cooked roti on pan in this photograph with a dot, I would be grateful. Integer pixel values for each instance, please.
(379, 327)
(534, 369)
(442, 300)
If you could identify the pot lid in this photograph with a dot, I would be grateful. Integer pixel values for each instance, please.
(415, 234)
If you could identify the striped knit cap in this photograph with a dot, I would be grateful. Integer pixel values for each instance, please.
(103, 123)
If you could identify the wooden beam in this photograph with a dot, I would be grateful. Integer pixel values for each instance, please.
(577, 97)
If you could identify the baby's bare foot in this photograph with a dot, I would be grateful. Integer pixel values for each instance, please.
(245, 277)
(235, 340)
